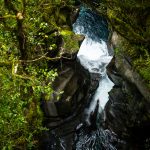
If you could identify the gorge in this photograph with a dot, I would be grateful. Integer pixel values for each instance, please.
(108, 115)
(75, 75)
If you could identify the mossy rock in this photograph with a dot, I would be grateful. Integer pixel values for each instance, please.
(71, 41)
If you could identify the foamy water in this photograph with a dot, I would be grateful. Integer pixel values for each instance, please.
(93, 56)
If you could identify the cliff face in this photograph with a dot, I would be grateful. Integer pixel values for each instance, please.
(127, 111)
(128, 108)
(127, 67)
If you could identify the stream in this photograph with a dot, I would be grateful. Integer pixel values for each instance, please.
(85, 129)
(93, 55)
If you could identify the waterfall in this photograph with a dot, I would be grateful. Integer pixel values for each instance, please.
(93, 55)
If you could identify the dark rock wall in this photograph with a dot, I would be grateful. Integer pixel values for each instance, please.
(63, 115)
(127, 112)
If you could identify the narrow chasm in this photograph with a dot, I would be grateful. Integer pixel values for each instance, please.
(99, 109)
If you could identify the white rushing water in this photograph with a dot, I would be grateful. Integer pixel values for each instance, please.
(94, 57)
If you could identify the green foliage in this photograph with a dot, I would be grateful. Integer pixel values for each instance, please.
(20, 114)
(14, 126)
(28, 31)
(41, 81)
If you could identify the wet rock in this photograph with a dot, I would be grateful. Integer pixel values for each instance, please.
(49, 108)
(70, 87)
(95, 78)
(128, 72)
(127, 111)
(63, 115)
(113, 74)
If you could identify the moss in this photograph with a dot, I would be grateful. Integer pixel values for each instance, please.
(138, 57)
(143, 67)
(71, 41)
(133, 28)
(134, 32)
